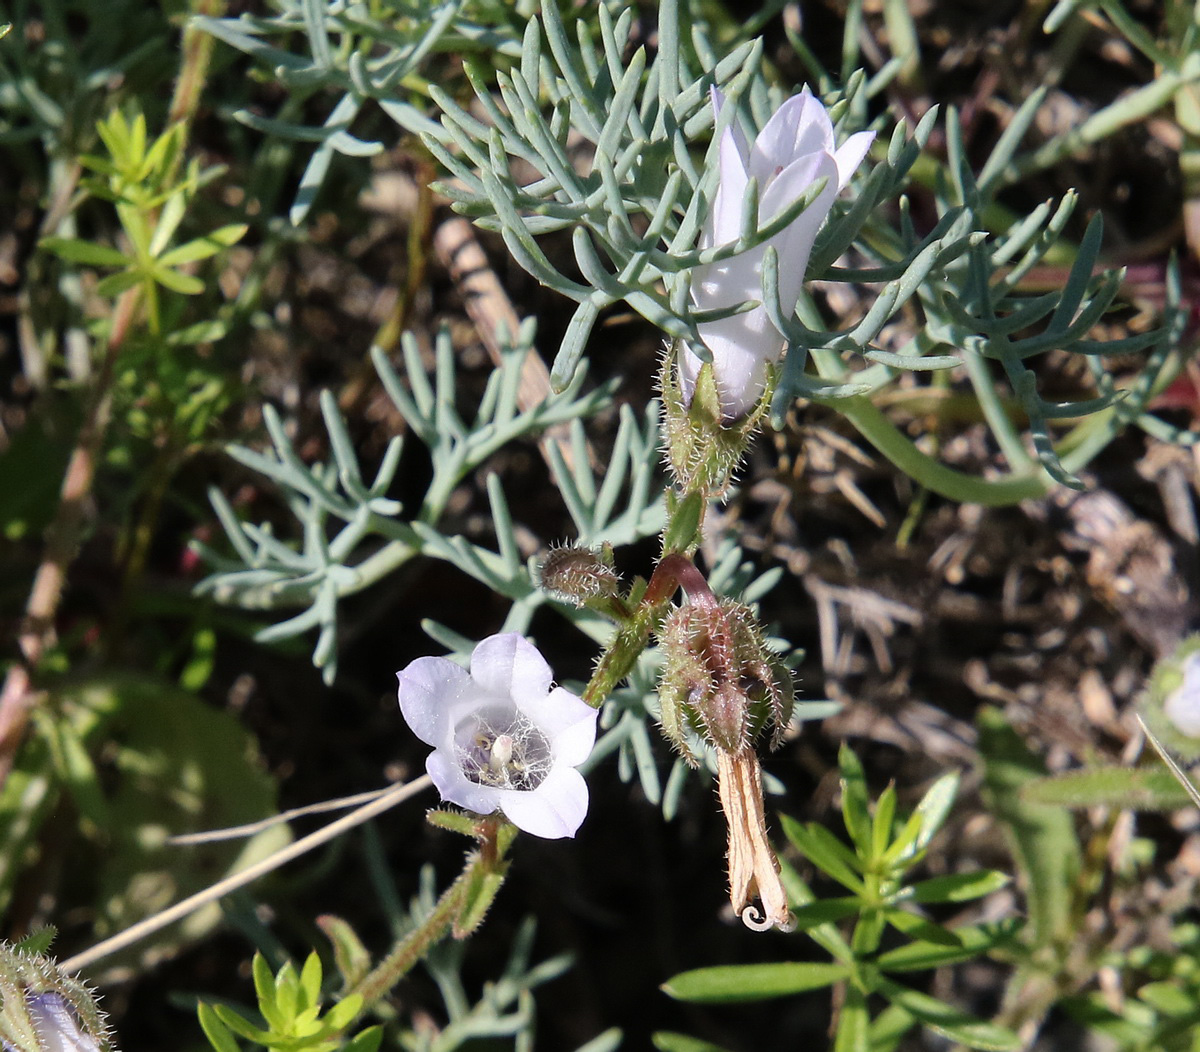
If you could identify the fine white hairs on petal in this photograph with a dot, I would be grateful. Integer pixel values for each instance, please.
(504, 737)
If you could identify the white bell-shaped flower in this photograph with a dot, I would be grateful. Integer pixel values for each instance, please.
(503, 736)
(1182, 706)
(793, 151)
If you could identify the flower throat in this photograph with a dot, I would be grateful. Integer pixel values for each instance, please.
(500, 747)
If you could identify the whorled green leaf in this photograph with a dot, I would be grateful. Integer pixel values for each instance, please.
(352, 958)
(824, 851)
(958, 887)
(177, 281)
(972, 941)
(115, 284)
(853, 1023)
(367, 1041)
(218, 1034)
(824, 911)
(74, 250)
(949, 1021)
(855, 800)
(888, 1027)
(920, 928)
(204, 247)
(724, 984)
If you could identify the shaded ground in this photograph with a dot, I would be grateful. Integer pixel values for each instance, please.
(1053, 611)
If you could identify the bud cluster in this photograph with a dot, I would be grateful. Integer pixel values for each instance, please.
(719, 678)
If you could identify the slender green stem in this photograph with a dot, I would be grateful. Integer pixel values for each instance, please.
(486, 864)
(957, 485)
(1131, 108)
(673, 572)
(996, 414)
(414, 946)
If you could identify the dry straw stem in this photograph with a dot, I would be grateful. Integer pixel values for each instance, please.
(396, 795)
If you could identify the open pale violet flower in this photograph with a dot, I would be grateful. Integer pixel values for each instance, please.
(55, 1026)
(793, 151)
(503, 736)
(1183, 704)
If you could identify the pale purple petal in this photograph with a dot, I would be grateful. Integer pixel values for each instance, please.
(794, 244)
(509, 664)
(1183, 705)
(724, 222)
(728, 282)
(465, 715)
(739, 140)
(428, 688)
(793, 150)
(568, 720)
(800, 126)
(793, 180)
(850, 155)
(555, 809)
(456, 788)
(741, 346)
(56, 1027)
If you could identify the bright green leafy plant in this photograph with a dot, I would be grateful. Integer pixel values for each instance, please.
(883, 905)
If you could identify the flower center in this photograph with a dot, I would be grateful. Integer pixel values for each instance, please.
(501, 747)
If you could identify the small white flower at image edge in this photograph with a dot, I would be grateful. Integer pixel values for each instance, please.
(56, 1025)
(793, 151)
(1182, 707)
(504, 737)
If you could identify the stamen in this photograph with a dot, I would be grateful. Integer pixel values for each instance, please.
(502, 748)
(502, 751)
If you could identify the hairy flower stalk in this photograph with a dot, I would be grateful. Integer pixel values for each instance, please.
(504, 738)
(792, 153)
(722, 682)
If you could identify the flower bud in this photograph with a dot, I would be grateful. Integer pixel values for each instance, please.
(703, 449)
(578, 574)
(719, 679)
(794, 152)
(42, 1010)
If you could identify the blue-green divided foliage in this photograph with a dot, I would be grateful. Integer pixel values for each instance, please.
(53, 92)
(353, 534)
(635, 206)
(360, 55)
(874, 867)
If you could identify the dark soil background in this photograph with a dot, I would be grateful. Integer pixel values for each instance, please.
(1024, 608)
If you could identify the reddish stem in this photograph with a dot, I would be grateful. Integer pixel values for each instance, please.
(678, 571)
